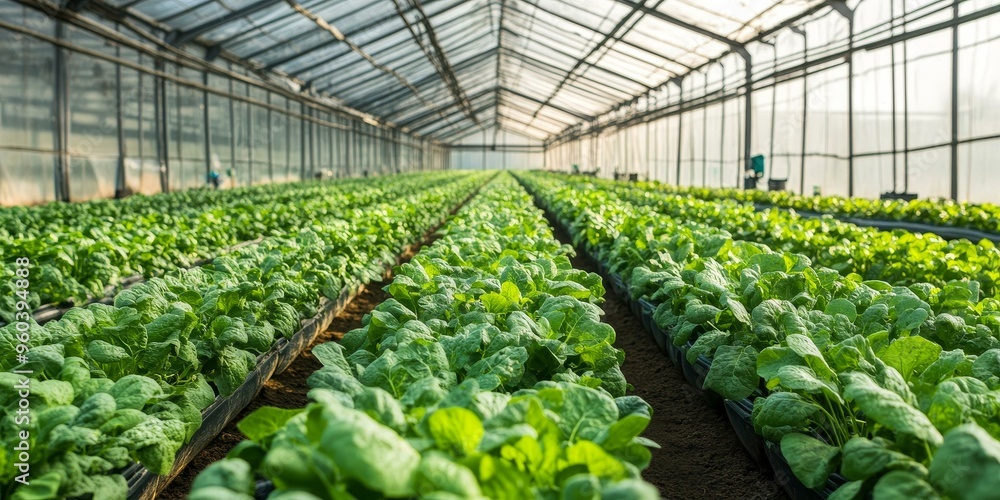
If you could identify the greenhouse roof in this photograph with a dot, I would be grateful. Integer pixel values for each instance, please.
(446, 68)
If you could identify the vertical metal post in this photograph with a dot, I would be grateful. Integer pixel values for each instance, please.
(251, 142)
(120, 183)
(270, 142)
(805, 109)
(850, 107)
(232, 130)
(649, 143)
(892, 65)
(906, 112)
(208, 126)
(747, 109)
(704, 138)
(312, 145)
(774, 106)
(680, 138)
(162, 134)
(61, 112)
(722, 133)
(179, 107)
(848, 14)
(954, 103)
(288, 140)
(302, 141)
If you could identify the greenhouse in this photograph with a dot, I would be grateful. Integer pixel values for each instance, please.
(614, 249)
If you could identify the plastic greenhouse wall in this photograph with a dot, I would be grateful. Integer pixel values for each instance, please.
(900, 64)
(85, 116)
(513, 151)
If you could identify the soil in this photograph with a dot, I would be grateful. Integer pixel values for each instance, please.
(700, 455)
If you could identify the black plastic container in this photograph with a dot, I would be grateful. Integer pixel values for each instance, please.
(784, 476)
(739, 413)
(696, 372)
(262, 489)
(617, 286)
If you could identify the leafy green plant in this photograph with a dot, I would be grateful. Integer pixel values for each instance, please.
(488, 374)
(166, 347)
(858, 376)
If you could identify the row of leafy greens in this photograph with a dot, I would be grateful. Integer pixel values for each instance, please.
(488, 374)
(895, 388)
(936, 212)
(127, 382)
(897, 257)
(82, 257)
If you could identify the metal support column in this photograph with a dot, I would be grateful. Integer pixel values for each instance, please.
(704, 140)
(302, 142)
(160, 112)
(207, 124)
(841, 7)
(954, 103)
(722, 133)
(120, 183)
(270, 142)
(680, 127)
(61, 118)
(232, 131)
(747, 110)
(251, 140)
(805, 110)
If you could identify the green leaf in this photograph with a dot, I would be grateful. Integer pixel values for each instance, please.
(781, 413)
(901, 485)
(967, 464)
(864, 458)
(456, 430)
(104, 352)
(359, 446)
(812, 461)
(134, 391)
(437, 473)
(331, 354)
(734, 372)
(888, 409)
(232, 474)
(265, 421)
(597, 461)
(910, 355)
(842, 306)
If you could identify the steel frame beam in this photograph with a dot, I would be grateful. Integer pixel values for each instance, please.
(178, 37)
(398, 94)
(375, 40)
(350, 81)
(436, 55)
(291, 17)
(540, 67)
(412, 123)
(535, 36)
(625, 20)
(386, 50)
(591, 65)
(437, 127)
(406, 105)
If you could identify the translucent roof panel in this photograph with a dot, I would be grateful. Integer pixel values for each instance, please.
(445, 68)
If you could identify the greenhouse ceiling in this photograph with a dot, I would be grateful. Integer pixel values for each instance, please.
(447, 68)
